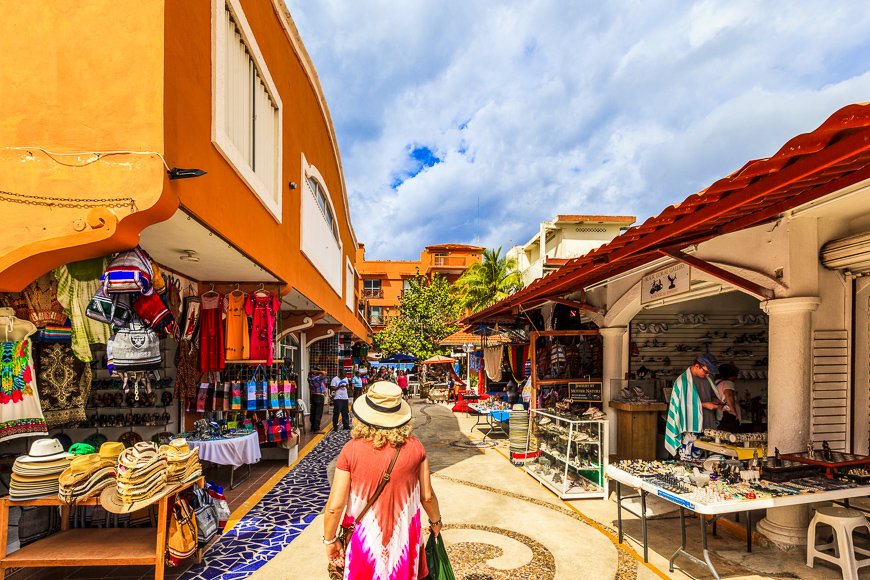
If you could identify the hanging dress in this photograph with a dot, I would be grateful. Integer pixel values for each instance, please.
(238, 335)
(20, 411)
(262, 310)
(211, 333)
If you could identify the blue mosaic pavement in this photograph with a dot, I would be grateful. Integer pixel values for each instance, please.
(276, 520)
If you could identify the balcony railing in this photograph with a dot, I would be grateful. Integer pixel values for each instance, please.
(376, 320)
(373, 293)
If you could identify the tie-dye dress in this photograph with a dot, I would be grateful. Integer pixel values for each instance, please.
(388, 543)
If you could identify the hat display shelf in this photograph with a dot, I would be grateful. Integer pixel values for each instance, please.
(93, 546)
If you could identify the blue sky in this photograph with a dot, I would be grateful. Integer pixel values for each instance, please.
(531, 109)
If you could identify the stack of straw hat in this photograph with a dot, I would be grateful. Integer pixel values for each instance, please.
(36, 474)
(183, 461)
(89, 474)
(142, 475)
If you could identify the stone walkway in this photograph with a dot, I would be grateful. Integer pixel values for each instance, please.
(499, 523)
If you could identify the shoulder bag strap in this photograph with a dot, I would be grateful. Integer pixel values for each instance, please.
(383, 483)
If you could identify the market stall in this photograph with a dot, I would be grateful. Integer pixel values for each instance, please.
(726, 488)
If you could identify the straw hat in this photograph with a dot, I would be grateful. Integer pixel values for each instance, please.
(183, 461)
(142, 476)
(383, 407)
(86, 476)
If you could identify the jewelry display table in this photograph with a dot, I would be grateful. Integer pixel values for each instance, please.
(495, 419)
(716, 510)
(91, 546)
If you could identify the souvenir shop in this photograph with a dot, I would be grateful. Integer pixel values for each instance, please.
(122, 361)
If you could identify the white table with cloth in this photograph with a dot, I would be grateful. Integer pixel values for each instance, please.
(232, 451)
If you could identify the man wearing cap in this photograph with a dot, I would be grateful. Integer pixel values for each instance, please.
(692, 407)
(340, 402)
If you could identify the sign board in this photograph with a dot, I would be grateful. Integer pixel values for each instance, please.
(585, 391)
(669, 281)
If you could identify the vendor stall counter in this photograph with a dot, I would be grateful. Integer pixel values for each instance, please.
(709, 502)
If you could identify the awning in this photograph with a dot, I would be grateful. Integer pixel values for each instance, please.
(834, 156)
(439, 359)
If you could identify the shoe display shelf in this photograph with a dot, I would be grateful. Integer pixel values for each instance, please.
(571, 454)
(663, 347)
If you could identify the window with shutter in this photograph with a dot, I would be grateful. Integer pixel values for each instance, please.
(246, 127)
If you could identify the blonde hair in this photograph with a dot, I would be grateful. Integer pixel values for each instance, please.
(381, 437)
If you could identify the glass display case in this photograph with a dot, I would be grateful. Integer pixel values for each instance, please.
(571, 454)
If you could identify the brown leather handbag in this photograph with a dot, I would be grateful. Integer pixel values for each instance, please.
(335, 568)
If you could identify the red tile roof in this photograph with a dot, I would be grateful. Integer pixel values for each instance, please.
(608, 219)
(812, 165)
(465, 337)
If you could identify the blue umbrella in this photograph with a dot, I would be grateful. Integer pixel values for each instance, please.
(399, 358)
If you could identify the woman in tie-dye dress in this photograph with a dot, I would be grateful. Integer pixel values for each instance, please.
(387, 544)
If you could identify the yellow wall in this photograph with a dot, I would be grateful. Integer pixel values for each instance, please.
(221, 200)
(79, 77)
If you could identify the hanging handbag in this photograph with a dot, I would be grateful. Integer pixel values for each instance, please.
(274, 398)
(129, 272)
(136, 348)
(182, 535)
(236, 396)
(220, 504)
(201, 397)
(228, 395)
(114, 310)
(335, 568)
(251, 388)
(206, 516)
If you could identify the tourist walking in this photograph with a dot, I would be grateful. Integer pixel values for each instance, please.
(387, 542)
(402, 381)
(340, 403)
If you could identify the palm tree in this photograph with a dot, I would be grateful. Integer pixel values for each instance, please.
(490, 280)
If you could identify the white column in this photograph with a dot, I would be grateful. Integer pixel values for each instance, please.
(304, 367)
(789, 391)
(612, 339)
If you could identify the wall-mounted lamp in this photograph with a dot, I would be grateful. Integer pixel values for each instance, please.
(292, 185)
(178, 173)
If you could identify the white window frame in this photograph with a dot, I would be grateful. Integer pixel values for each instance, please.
(350, 285)
(271, 198)
(312, 244)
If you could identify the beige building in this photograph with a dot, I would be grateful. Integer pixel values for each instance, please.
(563, 238)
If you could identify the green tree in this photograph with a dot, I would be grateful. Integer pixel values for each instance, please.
(492, 279)
(428, 313)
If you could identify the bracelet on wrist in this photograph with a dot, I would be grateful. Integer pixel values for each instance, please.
(438, 523)
(327, 542)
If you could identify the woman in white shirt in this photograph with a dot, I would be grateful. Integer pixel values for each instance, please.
(730, 420)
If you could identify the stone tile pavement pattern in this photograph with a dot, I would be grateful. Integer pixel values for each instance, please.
(270, 526)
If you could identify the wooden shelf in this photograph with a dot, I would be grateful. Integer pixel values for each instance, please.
(89, 547)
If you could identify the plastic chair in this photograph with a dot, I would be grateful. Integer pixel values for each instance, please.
(843, 522)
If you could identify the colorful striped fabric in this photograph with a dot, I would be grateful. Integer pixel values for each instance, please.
(685, 413)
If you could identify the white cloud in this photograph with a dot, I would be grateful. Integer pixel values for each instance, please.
(560, 107)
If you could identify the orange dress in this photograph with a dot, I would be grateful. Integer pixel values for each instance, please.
(238, 336)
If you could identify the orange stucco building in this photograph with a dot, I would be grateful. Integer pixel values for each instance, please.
(382, 281)
(102, 100)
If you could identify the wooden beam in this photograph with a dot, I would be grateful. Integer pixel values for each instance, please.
(578, 305)
(721, 273)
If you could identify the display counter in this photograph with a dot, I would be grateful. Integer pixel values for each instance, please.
(672, 481)
(572, 454)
